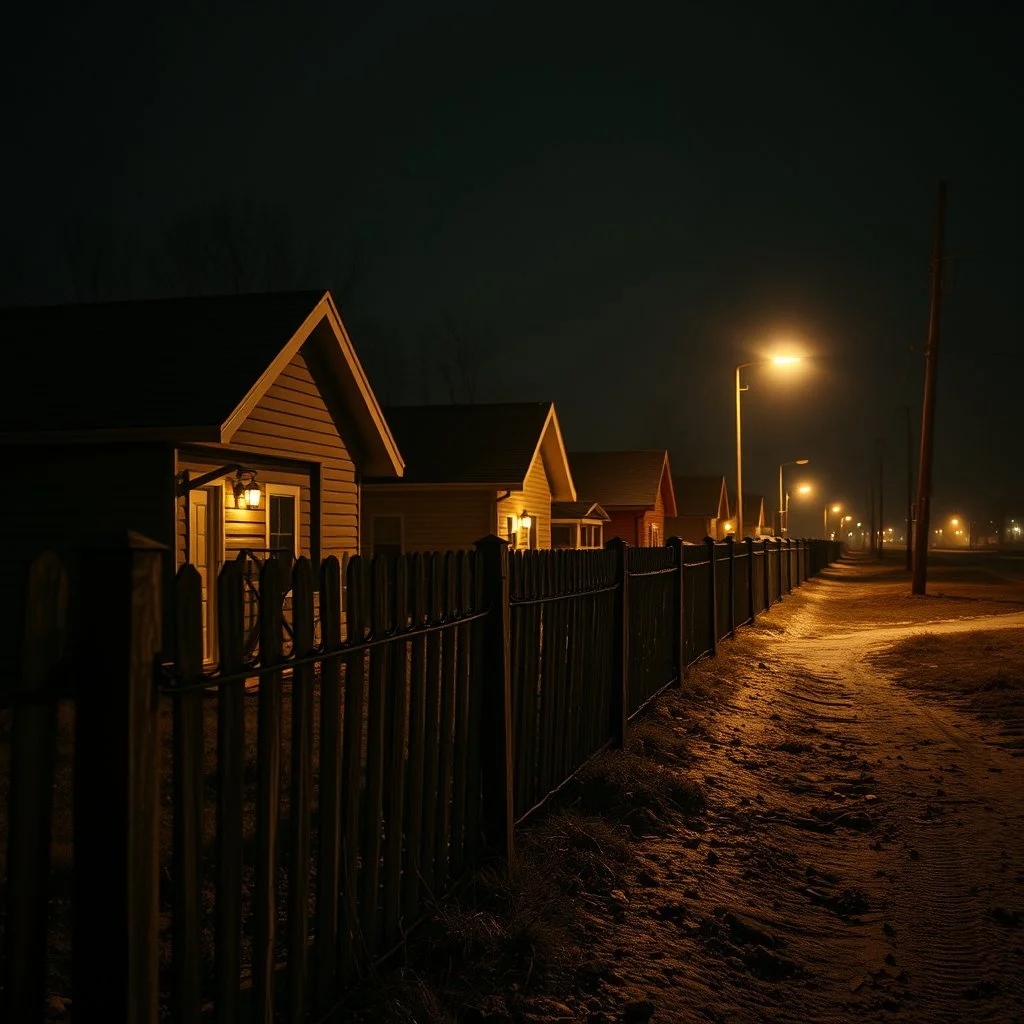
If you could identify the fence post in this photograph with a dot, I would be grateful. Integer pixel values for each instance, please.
(32, 756)
(495, 696)
(750, 578)
(619, 704)
(778, 556)
(730, 542)
(712, 596)
(767, 576)
(789, 565)
(117, 785)
(678, 599)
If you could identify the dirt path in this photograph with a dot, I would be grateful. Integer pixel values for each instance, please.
(862, 856)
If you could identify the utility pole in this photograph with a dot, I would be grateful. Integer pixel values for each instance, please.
(910, 491)
(881, 493)
(931, 355)
(871, 525)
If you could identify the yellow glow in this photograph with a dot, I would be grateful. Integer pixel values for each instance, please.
(804, 489)
(802, 462)
(252, 495)
(955, 521)
(728, 527)
(836, 508)
(785, 360)
(525, 520)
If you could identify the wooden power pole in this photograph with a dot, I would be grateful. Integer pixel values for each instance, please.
(910, 492)
(931, 357)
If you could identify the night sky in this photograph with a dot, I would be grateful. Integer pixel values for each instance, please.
(616, 211)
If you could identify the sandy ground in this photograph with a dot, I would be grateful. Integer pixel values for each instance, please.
(862, 855)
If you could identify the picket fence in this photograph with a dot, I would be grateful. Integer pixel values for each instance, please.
(279, 822)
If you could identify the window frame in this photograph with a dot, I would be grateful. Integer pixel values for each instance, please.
(283, 491)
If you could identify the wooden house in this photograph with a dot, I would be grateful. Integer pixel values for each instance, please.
(578, 525)
(754, 524)
(471, 470)
(703, 503)
(634, 488)
(215, 426)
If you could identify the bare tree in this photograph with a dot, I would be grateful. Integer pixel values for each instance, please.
(460, 354)
(219, 248)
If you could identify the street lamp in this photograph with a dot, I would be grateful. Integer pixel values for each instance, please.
(774, 361)
(783, 508)
(837, 508)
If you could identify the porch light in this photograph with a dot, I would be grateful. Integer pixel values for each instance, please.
(247, 492)
(525, 519)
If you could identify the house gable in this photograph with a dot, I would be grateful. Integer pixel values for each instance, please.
(321, 350)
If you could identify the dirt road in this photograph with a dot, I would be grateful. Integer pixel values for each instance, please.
(862, 854)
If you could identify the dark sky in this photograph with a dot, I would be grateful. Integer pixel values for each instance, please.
(618, 210)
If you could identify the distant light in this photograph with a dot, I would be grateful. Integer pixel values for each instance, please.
(785, 360)
(802, 462)
(955, 521)
(728, 527)
(836, 508)
(804, 489)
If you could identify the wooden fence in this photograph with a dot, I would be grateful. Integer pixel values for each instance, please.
(304, 808)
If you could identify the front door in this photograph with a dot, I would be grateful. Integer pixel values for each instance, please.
(202, 543)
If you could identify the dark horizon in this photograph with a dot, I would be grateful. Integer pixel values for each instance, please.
(610, 215)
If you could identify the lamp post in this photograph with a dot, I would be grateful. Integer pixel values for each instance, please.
(784, 508)
(837, 508)
(740, 388)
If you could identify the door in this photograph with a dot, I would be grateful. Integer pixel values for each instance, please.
(203, 545)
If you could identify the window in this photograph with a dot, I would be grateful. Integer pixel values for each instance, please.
(510, 531)
(561, 536)
(387, 535)
(283, 522)
(655, 536)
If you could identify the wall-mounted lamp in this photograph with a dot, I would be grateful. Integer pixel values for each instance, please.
(525, 519)
(247, 491)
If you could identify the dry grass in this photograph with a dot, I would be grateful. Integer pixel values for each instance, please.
(980, 671)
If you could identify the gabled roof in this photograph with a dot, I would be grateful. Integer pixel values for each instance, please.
(578, 510)
(490, 445)
(753, 507)
(699, 495)
(188, 369)
(624, 479)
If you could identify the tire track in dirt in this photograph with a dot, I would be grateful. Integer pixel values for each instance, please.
(954, 833)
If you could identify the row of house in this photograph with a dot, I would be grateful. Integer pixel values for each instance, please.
(246, 426)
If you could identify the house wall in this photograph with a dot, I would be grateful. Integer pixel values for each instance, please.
(291, 421)
(690, 528)
(432, 520)
(626, 524)
(535, 497)
(67, 498)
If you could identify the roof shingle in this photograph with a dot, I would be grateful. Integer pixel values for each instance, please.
(160, 363)
(490, 444)
(627, 479)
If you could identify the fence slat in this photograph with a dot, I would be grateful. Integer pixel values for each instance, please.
(186, 993)
(394, 787)
(230, 795)
(464, 600)
(117, 780)
(619, 707)
(447, 728)
(494, 692)
(351, 778)
(328, 877)
(33, 756)
(417, 744)
(373, 807)
(300, 794)
(268, 781)
(433, 712)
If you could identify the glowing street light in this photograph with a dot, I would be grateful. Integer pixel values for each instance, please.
(740, 388)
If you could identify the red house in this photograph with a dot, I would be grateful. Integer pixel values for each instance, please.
(634, 488)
